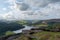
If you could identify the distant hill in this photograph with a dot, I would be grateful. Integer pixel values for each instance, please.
(47, 21)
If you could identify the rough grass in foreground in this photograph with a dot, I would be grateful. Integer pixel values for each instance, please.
(47, 35)
(42, 36)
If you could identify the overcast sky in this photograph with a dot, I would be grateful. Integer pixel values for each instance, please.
(29, 9)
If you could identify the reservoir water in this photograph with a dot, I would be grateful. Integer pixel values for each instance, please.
(26, 28)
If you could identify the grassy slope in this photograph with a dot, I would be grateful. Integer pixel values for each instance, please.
(42, 36)
(22, 37)
(47, 35)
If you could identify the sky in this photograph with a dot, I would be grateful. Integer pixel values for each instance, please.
(29, 9)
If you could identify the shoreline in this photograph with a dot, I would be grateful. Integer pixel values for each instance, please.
(26, 28)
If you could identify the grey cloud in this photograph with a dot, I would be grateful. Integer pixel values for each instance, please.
(46, 9)
(53, 1)
(37, 3)
(47, 2)
(23, 6)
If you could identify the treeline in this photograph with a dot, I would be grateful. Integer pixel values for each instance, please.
(4, 26)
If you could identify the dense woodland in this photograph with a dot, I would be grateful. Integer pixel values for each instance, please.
(12, 26)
